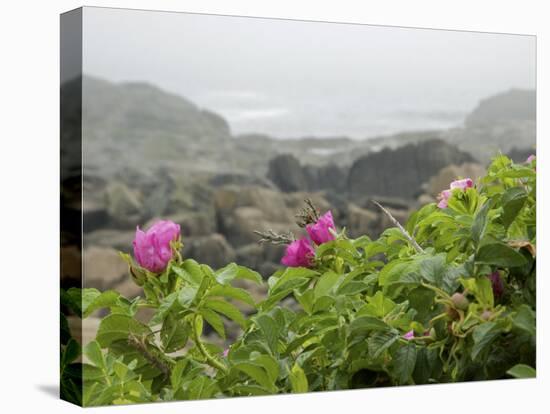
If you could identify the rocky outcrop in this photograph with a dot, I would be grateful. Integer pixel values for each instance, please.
(507, 107)
(289, 175)
(401, 172)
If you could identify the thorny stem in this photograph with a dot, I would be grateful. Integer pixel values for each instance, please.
(270, 236)
(153, 360)
(210, 360)
(405, 233)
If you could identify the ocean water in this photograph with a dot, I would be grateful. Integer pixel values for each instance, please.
(356, 117)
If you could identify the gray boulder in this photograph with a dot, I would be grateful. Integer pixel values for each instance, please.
(213, 250)
(287, 174)
(401, 172)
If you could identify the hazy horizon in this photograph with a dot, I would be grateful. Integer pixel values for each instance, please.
(289, 78)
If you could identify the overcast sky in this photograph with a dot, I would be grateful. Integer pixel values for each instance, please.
(276, 75)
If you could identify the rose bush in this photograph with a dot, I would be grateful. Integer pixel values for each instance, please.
(448, 297)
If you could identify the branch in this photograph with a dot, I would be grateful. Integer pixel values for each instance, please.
(270, 236)
(153, 360)
(405, 233)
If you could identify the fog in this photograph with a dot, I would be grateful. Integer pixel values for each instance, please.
(291, 78)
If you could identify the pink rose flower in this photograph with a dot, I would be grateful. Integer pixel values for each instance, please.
(152, 248)
(530, 158)
(319, 232)
(462, 184)
(409, 335)
(444, 196)
(299, 253)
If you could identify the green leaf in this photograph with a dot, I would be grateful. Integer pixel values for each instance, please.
(513, 201)
(525, 319)
(165, 306)
(292, 273)
(233, 293)
(325, 284)
(499, 254)
(270, 365)
(227, 309)
(480, 222)
(95, 355)
(483, 336)
(352, 288)
(298, 380)
(367, 324)
(270, 330)
(214, 321)
(484, 292)
(187, 295)
(174, 333)
(404, 362)
(378, 305)
(201, 387)
(257, 373)
(116, 326)
(522, 371)
(190, 271)
(176, 377)
(234, 271)
(380, 341)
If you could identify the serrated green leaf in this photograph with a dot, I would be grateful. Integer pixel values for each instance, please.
(213, 320)
(380, 341)
(483, 335)
(227, 309)
(174, 333)
(233, 293)
(95, 355)
(115, 327)
(404, 362)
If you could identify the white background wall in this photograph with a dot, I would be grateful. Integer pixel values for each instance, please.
(29, 157)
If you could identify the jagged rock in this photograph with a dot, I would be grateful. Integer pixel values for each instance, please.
(400, 172)
(287, 174)
(212, 250)
(446, 175)
(103, 268)
(124, 206)
(328, 177)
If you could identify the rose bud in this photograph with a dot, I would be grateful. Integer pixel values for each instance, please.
(496, 283)
(152, 248)
(460, 301)
(486, 315)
